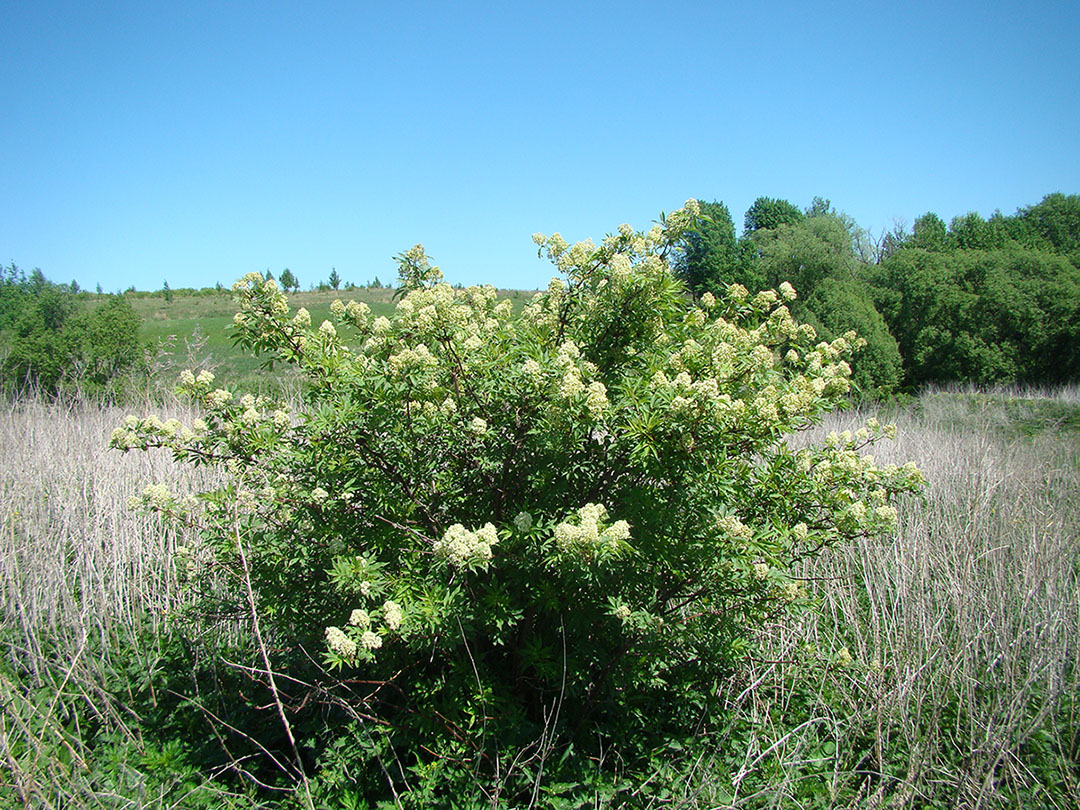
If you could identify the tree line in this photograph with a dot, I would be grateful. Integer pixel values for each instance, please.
(53, 339)
(979, 300)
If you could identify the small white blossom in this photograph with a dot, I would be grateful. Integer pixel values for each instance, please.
(392, 614)
(459, 545)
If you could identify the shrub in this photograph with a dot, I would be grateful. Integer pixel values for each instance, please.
(519, 542)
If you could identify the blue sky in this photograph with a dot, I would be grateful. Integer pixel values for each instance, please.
(195, 142)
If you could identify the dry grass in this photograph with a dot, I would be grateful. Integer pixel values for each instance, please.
(82, 577)
(964, 628)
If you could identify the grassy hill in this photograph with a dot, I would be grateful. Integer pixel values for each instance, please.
(193, 329)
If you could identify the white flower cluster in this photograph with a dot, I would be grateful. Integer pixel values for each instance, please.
(392, 614)
(340, 643)
(459, 546)
(190, 381)
(586, 534)
(154, 496)
(731, 526)
(411, 359)
(596, 401)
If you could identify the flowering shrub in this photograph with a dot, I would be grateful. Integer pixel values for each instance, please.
(556, 525)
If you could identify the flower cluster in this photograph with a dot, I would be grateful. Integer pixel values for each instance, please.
(585, 533)
(461, 547)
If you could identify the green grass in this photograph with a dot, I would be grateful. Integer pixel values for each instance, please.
(1026, 414)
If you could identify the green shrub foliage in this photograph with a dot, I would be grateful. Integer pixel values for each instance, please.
(55, 342)
(508, 536)
(987, 316)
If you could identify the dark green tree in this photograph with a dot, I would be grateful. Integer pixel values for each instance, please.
(930, 233)
(41, 351)
(105, 342)
(707, 261)
(817, 255)
(1056, 223)
(838, 305)
(997, 316)
(55, 343)
(971, 232)
(334, 280)
(288, 280)
(766, 213)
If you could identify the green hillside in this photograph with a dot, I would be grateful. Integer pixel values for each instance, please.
(194, 328)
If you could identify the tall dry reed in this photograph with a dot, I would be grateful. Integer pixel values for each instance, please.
(963, 629)
(83, 579)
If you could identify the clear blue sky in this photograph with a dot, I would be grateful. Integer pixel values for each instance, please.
(195, 141)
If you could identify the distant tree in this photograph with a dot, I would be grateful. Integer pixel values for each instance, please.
(99, 290)
(930, 233)
(971, 232)
(706, 262)
(334, 279)
(891, 241)
(41, 351)
(1056, 221)
(766, 213)
(269, 274)
(54, 343)
(838, 305)
(998, 316)
(805, 252)
(106, 343)
(288, 280)
(167, 292)
(819, 207)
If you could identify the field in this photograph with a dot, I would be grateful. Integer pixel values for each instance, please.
(193, 330)
(941, 671)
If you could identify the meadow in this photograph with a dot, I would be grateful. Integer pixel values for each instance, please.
(941, 670)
